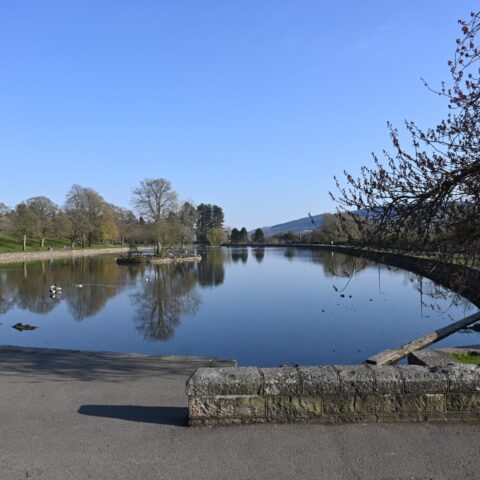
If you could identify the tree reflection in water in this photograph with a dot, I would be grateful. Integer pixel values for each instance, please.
(211, 270)
(164, 298)
(259, 253)
(159, 305)
(87, 284)
(240, 253)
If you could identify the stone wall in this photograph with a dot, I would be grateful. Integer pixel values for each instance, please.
(333, 394)
(20, 257)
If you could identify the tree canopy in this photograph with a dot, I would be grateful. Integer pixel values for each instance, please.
(86, 218)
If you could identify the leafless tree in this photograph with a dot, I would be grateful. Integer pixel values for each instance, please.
(154, 199)
(428, 196)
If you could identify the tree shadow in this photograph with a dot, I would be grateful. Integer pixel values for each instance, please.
(177, 416)
(36, 364)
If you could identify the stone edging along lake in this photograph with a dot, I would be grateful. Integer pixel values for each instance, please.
(333, 394)
(152, 260)
(167, 260)
(20, 257)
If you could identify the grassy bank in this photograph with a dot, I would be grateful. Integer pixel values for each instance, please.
(10, 244)
(467, 357)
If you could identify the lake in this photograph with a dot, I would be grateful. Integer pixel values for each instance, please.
(260, 306)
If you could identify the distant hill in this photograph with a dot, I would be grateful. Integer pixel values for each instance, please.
(302, 225)
(298, 226)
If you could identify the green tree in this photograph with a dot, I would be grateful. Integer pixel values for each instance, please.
(216, 236)
(127, 224)
(44, 211)
(258, 236)
(235, 236)
(217, 217)
(4, 217)
(91, 218)
(209, 217)
(243, 236)
(64, 228)
(24, 223)
(188, 215)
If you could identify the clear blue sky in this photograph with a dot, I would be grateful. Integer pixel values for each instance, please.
(252, 104)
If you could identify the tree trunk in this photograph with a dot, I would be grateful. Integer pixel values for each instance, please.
(157, 248)
(24, 243)
(42, 244)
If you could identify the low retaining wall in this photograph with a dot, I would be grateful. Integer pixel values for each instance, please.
(449, 275)
(333, 394)
(20, 257)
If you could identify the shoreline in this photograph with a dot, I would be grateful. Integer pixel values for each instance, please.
(113, 355)
(21, 257)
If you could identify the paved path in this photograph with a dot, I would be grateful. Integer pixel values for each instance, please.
(78, 416)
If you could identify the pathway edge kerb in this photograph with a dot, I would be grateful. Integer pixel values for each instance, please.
(333, 394)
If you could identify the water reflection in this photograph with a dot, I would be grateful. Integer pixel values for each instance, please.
(238, 254)
(158, 298)
(87, 283)
(211, 270)
(259, 254)
(164, 297)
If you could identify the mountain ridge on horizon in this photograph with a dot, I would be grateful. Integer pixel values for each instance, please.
(299, 225)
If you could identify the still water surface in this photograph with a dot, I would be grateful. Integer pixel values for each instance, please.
(261, 306)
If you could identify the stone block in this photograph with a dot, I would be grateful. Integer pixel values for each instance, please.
(293, 408)
(249, 406)
(422, 404)
(463, 402)
(377, 404)
(225, 381)
(228, 406)
(388, 379)
(422, 380)
(335, 404)
(463, 378)
(210, 407)
(319, 380)
(356, 379)
(279, 407)
(281, 381)
(306, 407)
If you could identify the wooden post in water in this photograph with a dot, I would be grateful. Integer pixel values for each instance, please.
(391, 356)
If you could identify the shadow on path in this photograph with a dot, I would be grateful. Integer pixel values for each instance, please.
(35, 364)
(162, 415)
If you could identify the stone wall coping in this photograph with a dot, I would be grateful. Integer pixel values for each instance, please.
(334, 379)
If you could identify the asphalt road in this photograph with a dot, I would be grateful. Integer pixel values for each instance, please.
(79, 416)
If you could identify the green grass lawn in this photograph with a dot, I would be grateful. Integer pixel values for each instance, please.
(9, 244)
(467, 357)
